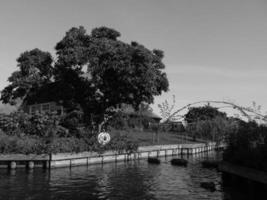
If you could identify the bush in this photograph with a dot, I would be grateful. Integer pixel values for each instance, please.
(24, 145)
(217, 129)
(14, 123)
(121, 143)
(248, 146)
(70, 145)
(40, 145)
(40, 124)
(72, 121)
(119, 121)
(42, 133)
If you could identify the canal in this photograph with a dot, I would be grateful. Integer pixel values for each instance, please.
(120, 181)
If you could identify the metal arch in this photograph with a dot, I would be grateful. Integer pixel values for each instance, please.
(242, 110)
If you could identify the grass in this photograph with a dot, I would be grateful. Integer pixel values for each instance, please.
(145, 138)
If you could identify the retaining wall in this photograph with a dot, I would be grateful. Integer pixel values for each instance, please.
(86, 158)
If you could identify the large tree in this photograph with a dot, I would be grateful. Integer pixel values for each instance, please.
(35, 70)
(105, 72)
(99, 71)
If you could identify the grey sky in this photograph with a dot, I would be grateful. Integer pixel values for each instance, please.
(214, 50)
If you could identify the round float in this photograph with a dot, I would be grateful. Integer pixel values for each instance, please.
(103, 138)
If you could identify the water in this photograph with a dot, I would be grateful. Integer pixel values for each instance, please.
(135, 180)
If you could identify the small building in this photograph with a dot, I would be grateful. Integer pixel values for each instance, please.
(47, 98)
(129, 110)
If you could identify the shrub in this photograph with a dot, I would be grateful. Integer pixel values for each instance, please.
(217, 129)
(42, 133)
(44, 124)
(72, 121)
(119, 121)
(14, 123)
(248, 146)
(121, 143)
(40, 145)
(70, 144)
(40, 124)
(24, 145)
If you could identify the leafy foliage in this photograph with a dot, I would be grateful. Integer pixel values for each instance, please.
(122, 143)
(203, 113)
(103, 32)
(34, 144)
(29, 144)
(35, 70)
(119, 121)
(72, 121)
(17, 144)
(106, 72)
(68, 144)
(45, 133)
(216, 129)
(248, 146)
(40, 124)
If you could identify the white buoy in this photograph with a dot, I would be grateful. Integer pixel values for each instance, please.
(103, 138)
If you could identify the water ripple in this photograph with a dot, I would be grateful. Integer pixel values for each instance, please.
(121, 181)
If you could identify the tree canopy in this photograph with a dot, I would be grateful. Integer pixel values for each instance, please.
(101, 71)
(35, 70)
(203, 113)
(106, 72)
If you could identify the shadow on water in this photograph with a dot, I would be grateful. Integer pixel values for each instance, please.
(239, 188)
(120, 181)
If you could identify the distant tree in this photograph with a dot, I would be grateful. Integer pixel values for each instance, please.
(203, 113)
(35, 70)
(104, 72)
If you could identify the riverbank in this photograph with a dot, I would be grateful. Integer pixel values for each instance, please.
(248, 183)
(244, 172)
(49, 161)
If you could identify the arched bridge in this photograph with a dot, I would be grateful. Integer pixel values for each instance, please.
(249, 113)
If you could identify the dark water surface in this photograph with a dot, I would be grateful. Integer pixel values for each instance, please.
(122, 181)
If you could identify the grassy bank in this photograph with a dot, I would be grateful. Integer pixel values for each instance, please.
(145, 138)
(27, 144)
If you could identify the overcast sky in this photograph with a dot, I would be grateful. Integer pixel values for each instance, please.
(214, 50)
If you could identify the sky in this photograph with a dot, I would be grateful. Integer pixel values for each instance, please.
(214, 49)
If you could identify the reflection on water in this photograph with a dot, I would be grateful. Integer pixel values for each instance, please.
(132, 180)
